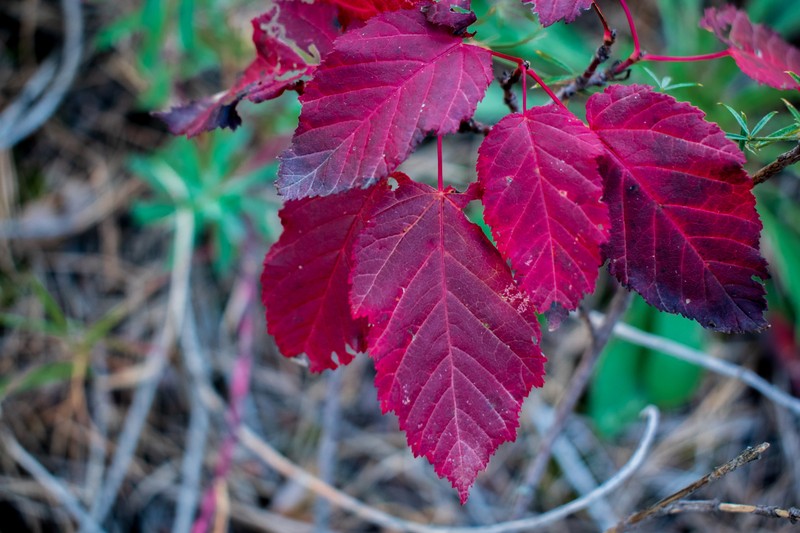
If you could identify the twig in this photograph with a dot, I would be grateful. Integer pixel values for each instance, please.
(473, 126)
(53, 485)
(156, 358)
(600, 337)
(507, 81)
(95, 467)
(43, 93)
(279, 462)
(792, 514)
(747, 456)
(590, 76)
(326, 456)
(745, 375)
(239, 389)
(197, 432)
(784, 160)
(575, 471)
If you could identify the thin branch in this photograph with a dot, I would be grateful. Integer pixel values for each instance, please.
(216, 493)
(747, 456)
(575, 389)
(507, 81)
(784, 160)
(326, 455)
(575, 470)
(156, 359)
(792, 514)
(46, 89)
(590, 76)
(745, 375)
(47, 480)
(197, 432)
(279, 462)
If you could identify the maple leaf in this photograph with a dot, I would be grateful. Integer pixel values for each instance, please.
(542, 195)
(550, 11)
(453, 339)
(758, 51)
(373, 99)
(684, 226)
(305, 279)
(290, 39)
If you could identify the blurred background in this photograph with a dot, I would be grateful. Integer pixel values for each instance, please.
(132, 336)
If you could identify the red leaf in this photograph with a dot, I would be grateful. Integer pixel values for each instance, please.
(290, 40)
(454, 14)
(454, 341)
(760, 52)
(542, 199)
(550, 11)
(375, 97)
(305, 280)
(353, 10)
(684, 226)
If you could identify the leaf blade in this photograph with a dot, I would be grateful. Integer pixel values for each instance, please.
(684, 227)
(375, 97)
(454, 341)
(760, 52)
(305, 281)
(542, 165)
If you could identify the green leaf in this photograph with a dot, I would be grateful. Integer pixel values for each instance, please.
(669, 382)
(35, 378)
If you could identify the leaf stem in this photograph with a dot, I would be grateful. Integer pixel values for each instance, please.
(608, 33)
(531, 73)
(439, 157)
(703, 57)
(524, 66)
(637, 49)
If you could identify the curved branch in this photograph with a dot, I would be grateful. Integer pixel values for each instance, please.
(279, 462)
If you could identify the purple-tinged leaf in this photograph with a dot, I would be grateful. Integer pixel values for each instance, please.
(453, 14)
(360, 10)
(684, 229)
(305, 282)
(453, 338)
(542, 195)
(290, 39)
(375, 97)
(761, 53)
(550, 11)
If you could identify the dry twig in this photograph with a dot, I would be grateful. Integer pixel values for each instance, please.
(675, 349)
(600, 337)
(747, 456)
(279, 462)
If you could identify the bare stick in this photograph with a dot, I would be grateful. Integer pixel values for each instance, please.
(157, 357)
(28, 112)
(600, 337)
(326, 456)
(784, 160)
(747, 456)
(197, 433)
(590, 76)
(279, 462)
(215, 494)
(677, 350)
(792, 514)
(53, 485)
(575, 471)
